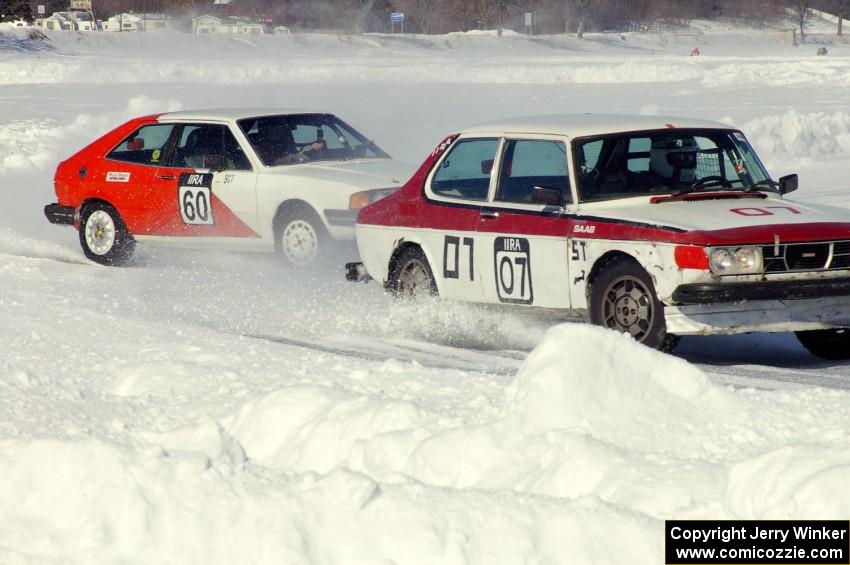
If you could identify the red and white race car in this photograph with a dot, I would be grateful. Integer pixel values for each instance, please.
(229, 179)
(658, 227)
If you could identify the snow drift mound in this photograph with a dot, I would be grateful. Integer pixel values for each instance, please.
(793, 482)
(585, 376)
(40, 144)
(795, 134)
(22, 41)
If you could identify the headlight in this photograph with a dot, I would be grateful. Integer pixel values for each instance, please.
(364, 198)
(735, 260)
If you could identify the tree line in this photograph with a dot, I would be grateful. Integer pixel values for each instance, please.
(442, 16)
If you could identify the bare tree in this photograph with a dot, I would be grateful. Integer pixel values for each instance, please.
(801, 9)
(421, 11)
(578, 11)
(840, 10)
(476, 13)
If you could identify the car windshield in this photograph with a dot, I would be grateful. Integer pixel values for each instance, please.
(298, 138)
(666, 161)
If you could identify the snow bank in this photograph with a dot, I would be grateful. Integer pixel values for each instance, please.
(39, 144)
(316, 429)
(110, 503)
(595, 434)
(793, 482)
(816, 135)
(590, 413)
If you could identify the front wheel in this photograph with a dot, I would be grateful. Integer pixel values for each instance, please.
(103, 235)
(622, 298)
(826, 344)
(411, 275)
(301, 237)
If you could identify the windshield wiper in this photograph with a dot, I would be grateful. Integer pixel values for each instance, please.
(767, 183)
(707, 182)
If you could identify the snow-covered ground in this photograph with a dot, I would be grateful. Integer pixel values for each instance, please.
(214, 408)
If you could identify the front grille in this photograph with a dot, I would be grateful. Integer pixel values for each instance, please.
(809, 256)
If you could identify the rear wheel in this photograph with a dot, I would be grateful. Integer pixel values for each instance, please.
(827, 344)
(103, 235)
(622, 298)
(411, 275)
(301, 237)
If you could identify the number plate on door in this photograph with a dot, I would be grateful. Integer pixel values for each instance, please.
(194, 198)
(513, 270)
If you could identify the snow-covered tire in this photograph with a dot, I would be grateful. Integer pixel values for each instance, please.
(622, 298)
(103, 235)
(301, 237)
(827, 344)
(411, 276)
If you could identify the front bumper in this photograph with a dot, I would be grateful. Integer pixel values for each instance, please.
(346, 218)
(759, 316)
(63, 215)
(717, 293)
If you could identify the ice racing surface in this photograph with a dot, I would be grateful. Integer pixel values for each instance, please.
(215, 408)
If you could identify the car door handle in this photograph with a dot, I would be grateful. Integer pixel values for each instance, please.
(165, 177)
(489, 214)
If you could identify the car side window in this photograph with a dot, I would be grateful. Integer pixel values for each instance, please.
(530, 163)
(588, 155)
(639, 152)
(146, 145)
(209, 146)
(465, 171)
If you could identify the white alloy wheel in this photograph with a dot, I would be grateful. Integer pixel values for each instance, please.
(100, 232)
(300, 242)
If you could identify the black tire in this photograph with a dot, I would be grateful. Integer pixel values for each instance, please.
(826, 344)
(411, 276)
(104, 236)
(301, 237)
(622, 298)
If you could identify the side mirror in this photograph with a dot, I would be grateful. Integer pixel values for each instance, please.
(546, 195)
(788, 183)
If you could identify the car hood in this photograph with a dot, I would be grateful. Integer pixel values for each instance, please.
(745, 217)
(360, 173)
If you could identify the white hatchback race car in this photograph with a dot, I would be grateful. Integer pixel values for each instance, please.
(657, 227)
(255, 179)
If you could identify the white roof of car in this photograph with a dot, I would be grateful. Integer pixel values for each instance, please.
(231, 113)
(580, 125)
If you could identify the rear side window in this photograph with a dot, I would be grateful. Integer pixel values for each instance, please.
(465, 171)
(209, 146)
(146, 145)
(530, 163)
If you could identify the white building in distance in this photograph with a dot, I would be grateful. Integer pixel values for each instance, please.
(68, 21)
(226, 24)
(129, 21)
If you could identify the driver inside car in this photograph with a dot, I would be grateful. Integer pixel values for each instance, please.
(672, 161)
